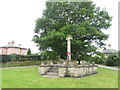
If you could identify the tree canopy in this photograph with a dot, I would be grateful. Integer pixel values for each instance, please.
(82, 20)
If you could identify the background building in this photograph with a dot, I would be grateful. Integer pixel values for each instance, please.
(109, 50)
(12, 48)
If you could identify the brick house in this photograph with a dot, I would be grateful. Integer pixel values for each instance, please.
(11, 48)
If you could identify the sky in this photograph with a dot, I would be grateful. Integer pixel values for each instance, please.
(17, 21)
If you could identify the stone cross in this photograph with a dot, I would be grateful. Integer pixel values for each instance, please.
(68, 47)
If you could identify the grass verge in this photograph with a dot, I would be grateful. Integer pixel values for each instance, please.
(30, 78)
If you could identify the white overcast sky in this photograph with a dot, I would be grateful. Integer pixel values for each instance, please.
(17, 21)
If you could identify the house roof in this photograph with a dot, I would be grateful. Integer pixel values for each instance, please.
(8, 46)
(108, 51)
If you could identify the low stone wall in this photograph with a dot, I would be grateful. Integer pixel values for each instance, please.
(70, 70)
(43, 69)
(79, 71)
(62, 71)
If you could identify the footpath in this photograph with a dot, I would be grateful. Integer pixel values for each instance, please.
(113, 68)
(19, 67)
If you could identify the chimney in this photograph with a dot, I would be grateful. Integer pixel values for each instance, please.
(109, 46)
(19, 45)
(13, 42)
(9, 43)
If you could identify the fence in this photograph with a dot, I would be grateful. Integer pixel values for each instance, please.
(8, 58)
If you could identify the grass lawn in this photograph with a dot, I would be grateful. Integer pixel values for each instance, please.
(29, 78)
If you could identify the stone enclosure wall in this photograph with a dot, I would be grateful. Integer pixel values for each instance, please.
(77, 71)
(70, 69)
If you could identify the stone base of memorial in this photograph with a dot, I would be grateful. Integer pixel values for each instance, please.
(68, 70)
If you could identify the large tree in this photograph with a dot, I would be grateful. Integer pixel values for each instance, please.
(82, 20)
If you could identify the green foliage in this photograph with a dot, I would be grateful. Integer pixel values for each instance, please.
(100, 58)
(112, 60)
(118, 58)
(21, 63)
(35, 54)
(15, 57)
(48, 55)
(25, 63)
(4, 58)
(29, 52)
(82, 20)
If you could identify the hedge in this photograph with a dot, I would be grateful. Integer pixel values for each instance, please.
(112, 60)
(7, 58)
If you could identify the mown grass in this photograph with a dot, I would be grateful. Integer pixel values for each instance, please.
(30, 78)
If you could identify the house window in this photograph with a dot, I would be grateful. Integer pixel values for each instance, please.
(4, 49)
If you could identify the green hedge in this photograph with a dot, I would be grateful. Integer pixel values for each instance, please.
(14, 57)
(112, 60)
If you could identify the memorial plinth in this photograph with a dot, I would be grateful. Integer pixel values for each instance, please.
(68, 69)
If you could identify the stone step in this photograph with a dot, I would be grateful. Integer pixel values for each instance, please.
(53, 70)
(50, 76)
(52, 73)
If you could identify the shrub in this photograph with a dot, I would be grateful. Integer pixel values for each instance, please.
(112, 60)
(4, 58)
(29, 52)
(19, 63)
(15, 57)
(48, 55)
(100, 60)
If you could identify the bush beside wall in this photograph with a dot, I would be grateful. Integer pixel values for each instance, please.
(112, 60)
(14, 57)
